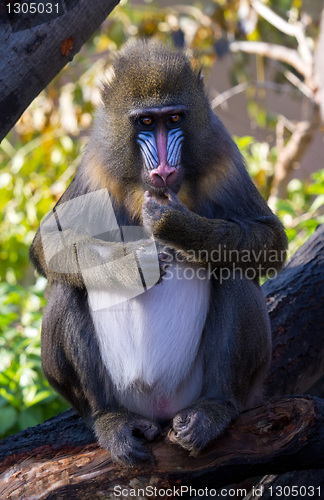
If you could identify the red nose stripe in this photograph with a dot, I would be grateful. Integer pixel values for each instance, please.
(163, 175)
(161, 144)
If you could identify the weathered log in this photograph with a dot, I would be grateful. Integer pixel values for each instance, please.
(59, 458)
(282, 434)
(35, 46)
(295, 303)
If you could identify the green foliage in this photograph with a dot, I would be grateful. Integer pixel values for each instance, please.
(303, 209)
(260, 159)
(25, 396)
(29, 179)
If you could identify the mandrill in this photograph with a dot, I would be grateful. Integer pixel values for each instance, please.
(153, 256)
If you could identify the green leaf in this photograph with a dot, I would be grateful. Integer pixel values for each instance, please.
(40, 396)
(8, 418)
(244, 142)
(29, 418)
(317, 203)
(10, 398)
(285, 207)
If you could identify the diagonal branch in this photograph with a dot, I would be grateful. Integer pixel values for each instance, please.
(276, 52)
(223, 97)
(290, 156)
(275, 20)
(296, 29)
(34, 51)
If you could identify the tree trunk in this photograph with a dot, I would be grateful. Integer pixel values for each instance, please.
(295, 303)
(34, 47)
(59, 459)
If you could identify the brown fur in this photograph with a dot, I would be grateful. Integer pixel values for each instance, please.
(215, 206)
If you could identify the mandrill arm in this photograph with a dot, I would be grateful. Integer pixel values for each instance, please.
(252, 240)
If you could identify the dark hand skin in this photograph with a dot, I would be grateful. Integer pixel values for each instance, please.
(120, 432)
(154, 208)
(194, 427)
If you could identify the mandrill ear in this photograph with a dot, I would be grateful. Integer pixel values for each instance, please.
(110, 75)
(107, 81)
(195, 66)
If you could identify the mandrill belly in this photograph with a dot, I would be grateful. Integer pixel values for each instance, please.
(150, 344)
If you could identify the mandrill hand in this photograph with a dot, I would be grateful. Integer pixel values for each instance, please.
(121, 434)
(154, 209)
(194, 427)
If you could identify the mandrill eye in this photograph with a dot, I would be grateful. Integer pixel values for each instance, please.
(174, 119)
(146, 121)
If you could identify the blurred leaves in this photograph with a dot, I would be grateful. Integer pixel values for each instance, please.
(303, 209)
(25, 396)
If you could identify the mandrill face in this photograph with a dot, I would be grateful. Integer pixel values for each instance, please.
(160, 135)
(155, 112)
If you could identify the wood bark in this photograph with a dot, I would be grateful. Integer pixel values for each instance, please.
(297, 294)
(295, 303)
(286, 433)
(59, 459)
(35, 47)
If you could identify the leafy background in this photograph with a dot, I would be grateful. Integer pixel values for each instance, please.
(40, 155)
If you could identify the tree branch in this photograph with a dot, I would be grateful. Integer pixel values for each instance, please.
(296, 30)
(276, 52)
(290, 156)
(295, 304)
(299, 84)
(242, 87)
(319, 68)
(275, 20)
(32, 54)
(283, 434)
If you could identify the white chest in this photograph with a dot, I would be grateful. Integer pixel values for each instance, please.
(150, 344)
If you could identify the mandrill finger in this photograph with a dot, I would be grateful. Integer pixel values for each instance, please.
(172, 196)
(164, 257)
